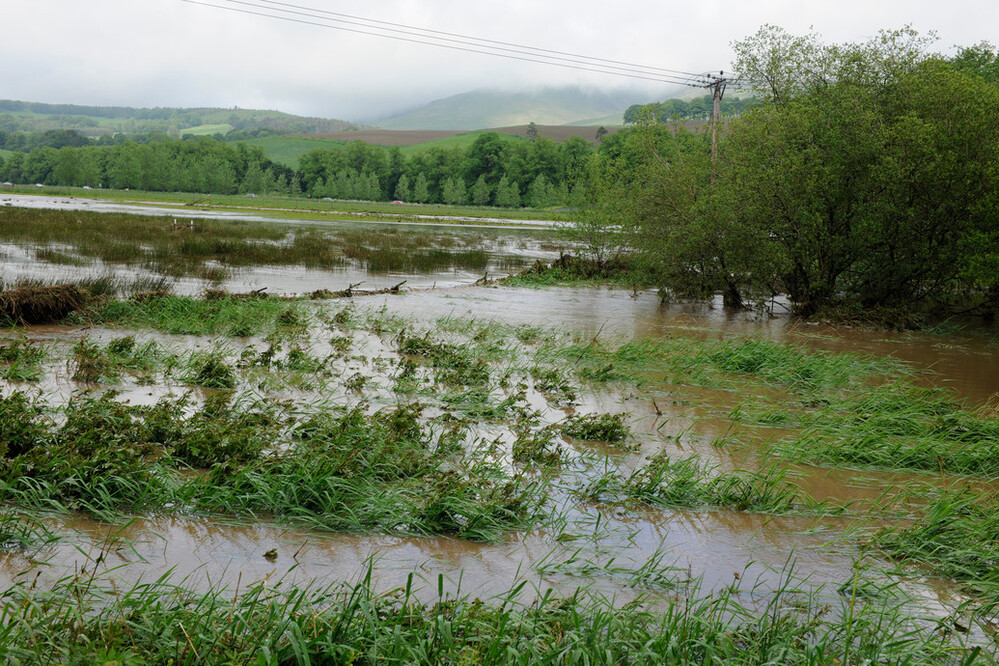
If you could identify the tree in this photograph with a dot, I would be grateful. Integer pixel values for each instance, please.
(402, 188)
(507, 194)
(454, 192)
(254, 181)
(541, 193)
(868, 167)
(485, 157)
(481, 192)
(532, 131)
(421, 192)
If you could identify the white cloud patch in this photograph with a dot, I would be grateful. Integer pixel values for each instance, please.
(174, 53)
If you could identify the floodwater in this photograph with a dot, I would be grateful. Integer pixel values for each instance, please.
(251, 214)
(599, 548)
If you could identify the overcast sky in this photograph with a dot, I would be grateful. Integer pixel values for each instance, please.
(174, 53)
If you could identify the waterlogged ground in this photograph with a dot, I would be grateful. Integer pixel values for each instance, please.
(497, 442)
(339, 356)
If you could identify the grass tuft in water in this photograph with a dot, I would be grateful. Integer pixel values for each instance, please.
(21, 360)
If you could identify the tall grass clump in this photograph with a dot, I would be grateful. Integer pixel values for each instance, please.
(687, 360)
(84, 620)
(386, 472)
(94, 363)
(455, 365)
(957, 536)
(899, 426)
(227, 315)
(688, 483)
(99, 458)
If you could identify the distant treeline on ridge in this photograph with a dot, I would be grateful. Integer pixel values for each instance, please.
(678, 109)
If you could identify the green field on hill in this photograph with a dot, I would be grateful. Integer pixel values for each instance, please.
(287, 149)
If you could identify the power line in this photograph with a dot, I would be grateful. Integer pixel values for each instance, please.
(481, 40)
(460, 42)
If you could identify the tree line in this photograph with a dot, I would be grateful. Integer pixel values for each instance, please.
(166, 165)
(699, 108)
(492, 171)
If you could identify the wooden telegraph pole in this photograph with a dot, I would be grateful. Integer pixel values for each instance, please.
(717, 85)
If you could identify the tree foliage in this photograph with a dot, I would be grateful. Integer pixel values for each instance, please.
(867, 174)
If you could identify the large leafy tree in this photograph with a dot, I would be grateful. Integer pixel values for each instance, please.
(867, 174)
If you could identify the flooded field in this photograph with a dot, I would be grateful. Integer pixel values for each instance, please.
(463, 441)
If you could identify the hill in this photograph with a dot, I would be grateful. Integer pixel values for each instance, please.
(95, 121)
(492, 108)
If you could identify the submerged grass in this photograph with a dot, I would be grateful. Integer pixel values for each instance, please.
(899, 426)
(106, 364)
(83, 620)
(21, 360)
(692, 361)
(206, 248)
(386, 471)
(688, 483)
(957, 536)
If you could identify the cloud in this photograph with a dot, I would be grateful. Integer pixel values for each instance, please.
(176, 53)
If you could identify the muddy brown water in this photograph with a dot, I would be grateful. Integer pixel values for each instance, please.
(719, 549)
(602, 549)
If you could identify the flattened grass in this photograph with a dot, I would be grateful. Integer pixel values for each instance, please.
(355, 472)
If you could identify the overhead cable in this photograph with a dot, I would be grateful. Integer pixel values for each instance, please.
(322, 18)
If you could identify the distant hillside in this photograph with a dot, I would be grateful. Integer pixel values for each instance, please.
(18, 116)
(490, 108)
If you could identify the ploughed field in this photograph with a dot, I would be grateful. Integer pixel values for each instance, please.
(200, 471)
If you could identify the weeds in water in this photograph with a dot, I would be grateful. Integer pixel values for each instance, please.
(596, 428)
(105, 365)
(899, 426)
(664, 482)
(957, 535)
(454, 365)
(21, 360)
(555, 386)
(227, 315)
(24, 424)
(210, 370)
(538, 447)
(20, 533)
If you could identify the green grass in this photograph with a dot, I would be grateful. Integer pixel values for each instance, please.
(301, 208)
(21, 360)
(226, 316)
(84, 620)
(688, 483)
(687, 360)
(207, 130)
(894, 426)
(463, 141)
(957, 536)
(385, 472)
(287, 149)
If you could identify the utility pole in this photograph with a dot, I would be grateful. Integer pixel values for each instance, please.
(717, 85)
